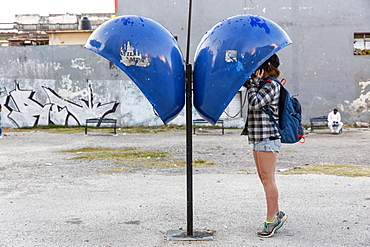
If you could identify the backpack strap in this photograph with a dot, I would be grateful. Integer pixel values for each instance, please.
(266, 109)
(272, 79)
(301, 139)
(283, 81)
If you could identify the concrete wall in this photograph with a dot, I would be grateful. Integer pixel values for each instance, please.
(52, 82)
(319, 65)
(65, 85)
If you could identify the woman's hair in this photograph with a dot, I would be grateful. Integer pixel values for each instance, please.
(270, 67)
(272, 72)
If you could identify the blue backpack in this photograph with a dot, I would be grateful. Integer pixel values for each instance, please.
(290, 117)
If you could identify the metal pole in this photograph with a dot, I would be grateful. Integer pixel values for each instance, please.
(189, 134)
(189, 151)
(189, 234)
(189, 27)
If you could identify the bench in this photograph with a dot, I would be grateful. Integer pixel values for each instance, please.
(112, 123)
(317, 122)
(201, 123)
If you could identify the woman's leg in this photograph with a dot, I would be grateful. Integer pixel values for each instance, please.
(266, 165)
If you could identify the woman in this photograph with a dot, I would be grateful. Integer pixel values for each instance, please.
(263, 90)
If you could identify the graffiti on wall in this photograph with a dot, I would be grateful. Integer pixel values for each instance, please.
(26, 111)
(3, 91)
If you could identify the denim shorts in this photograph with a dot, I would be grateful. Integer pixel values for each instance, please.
(268, 145)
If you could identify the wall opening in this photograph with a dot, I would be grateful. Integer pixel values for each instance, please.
(361, 44)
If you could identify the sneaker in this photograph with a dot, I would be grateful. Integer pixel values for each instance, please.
(269, 228)
(282, 216)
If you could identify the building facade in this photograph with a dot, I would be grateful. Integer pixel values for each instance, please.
(327, 65)
(322, 65)
(34, 29)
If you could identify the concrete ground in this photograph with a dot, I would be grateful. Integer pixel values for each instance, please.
(47, 199)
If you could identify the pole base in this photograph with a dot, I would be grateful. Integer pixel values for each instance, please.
(182, 235)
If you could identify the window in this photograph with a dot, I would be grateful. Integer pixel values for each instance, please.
(361, 44)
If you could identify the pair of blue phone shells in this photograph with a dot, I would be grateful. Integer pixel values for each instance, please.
(225, 58)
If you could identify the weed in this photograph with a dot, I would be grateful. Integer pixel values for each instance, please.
(201, 161)
(116, 154)
(78, 129)
(332, 169)
(244, 171)
(132, 159)
(290, 151)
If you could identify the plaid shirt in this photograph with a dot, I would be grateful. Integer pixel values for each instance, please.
(258, 126)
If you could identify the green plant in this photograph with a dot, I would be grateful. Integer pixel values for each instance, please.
(347, 170)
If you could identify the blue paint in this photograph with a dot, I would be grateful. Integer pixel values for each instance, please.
(216, 81)
(159, 73)
(95, 43)
(239, 67)
(256, 21)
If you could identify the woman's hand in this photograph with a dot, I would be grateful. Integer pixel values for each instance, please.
(259, 73)
(255, 79)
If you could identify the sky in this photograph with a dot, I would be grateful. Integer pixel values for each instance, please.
(9, 8)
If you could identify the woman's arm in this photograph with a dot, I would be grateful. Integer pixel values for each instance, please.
(259, 97)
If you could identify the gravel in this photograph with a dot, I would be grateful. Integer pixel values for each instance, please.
(47, 199)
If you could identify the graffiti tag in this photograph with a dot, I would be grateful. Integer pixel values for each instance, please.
(26, 111)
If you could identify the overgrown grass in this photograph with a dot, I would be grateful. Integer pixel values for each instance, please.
(290, 151)
(132, 159)
(152, 129)
(245, 171)
(332, 169)
(116, 154)
(48, 128)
